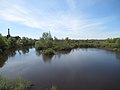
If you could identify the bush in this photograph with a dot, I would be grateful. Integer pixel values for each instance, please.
(0, 51)
(10, 84)
(11, 42)
(49, 51)
(53, 88)
(118, 42)
(3, 45)
(62, 45)
(39, 45)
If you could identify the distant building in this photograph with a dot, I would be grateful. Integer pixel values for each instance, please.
(8, 33)
(16, 37)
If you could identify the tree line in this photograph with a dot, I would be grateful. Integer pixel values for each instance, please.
(13, 43)
(49, 44)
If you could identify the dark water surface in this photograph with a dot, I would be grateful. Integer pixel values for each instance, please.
(79, 69)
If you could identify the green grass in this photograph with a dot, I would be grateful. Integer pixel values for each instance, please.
(49, 51)
(13, 84)
(53, 88)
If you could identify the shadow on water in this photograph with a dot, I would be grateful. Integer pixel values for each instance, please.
(64, 52)
(12, 53)
(4, 57)
(117, 55)
(24, 50)
(60, 53)
(38, 52)
(47, 58)
(3, 60)
(69, 70)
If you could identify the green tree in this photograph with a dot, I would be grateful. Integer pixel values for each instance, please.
(118, 42)
(24, 41)
(47, 36)
(55, 38)
(3, 45)
(39, 45)
(11, 42)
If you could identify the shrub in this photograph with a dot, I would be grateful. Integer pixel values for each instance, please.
(39, 45)
(49, 51)
(3, 45)
(118, 42)
(10, 84)
(0, 51)
(53, 88)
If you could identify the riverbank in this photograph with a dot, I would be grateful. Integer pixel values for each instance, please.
(53, 44)
(13, 84)
(56, 46)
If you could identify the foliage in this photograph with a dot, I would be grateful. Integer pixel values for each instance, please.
(118, 42)
(10, 84)
(46, 41)
(53, 88)
(39, 45)
(68, 44)
(47, 36)
(27, 41)
(62, 45)
(3, 45)
(49, 51)
(13, 43)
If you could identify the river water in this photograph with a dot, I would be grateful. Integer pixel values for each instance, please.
(78, 69)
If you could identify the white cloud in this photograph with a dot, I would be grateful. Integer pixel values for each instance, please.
(62, 23)
(71, 4)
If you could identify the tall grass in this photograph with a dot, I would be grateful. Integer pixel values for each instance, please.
(13, 84)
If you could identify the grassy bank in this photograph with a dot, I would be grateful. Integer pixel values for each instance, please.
(8, 44)
(51, 45)
(46, 41)
(13, 84)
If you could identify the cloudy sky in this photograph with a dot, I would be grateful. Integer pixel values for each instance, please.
(76, 19)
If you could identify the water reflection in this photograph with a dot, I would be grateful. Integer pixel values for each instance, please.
(3, 60)
(60, 53)
(38, 52)
(64, 52)
(5, 57)
(47, 58)
(12, 53)
(78, 69)
(118, 55)
(25, 50)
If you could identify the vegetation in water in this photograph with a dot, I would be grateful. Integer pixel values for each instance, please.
(49, 44)
(49, 51)
(13, 84)
(53, 88)
(46, 41)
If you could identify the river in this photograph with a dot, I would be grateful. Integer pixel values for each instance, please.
(78, 69)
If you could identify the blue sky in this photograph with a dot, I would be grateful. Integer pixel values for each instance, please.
(76, 19)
